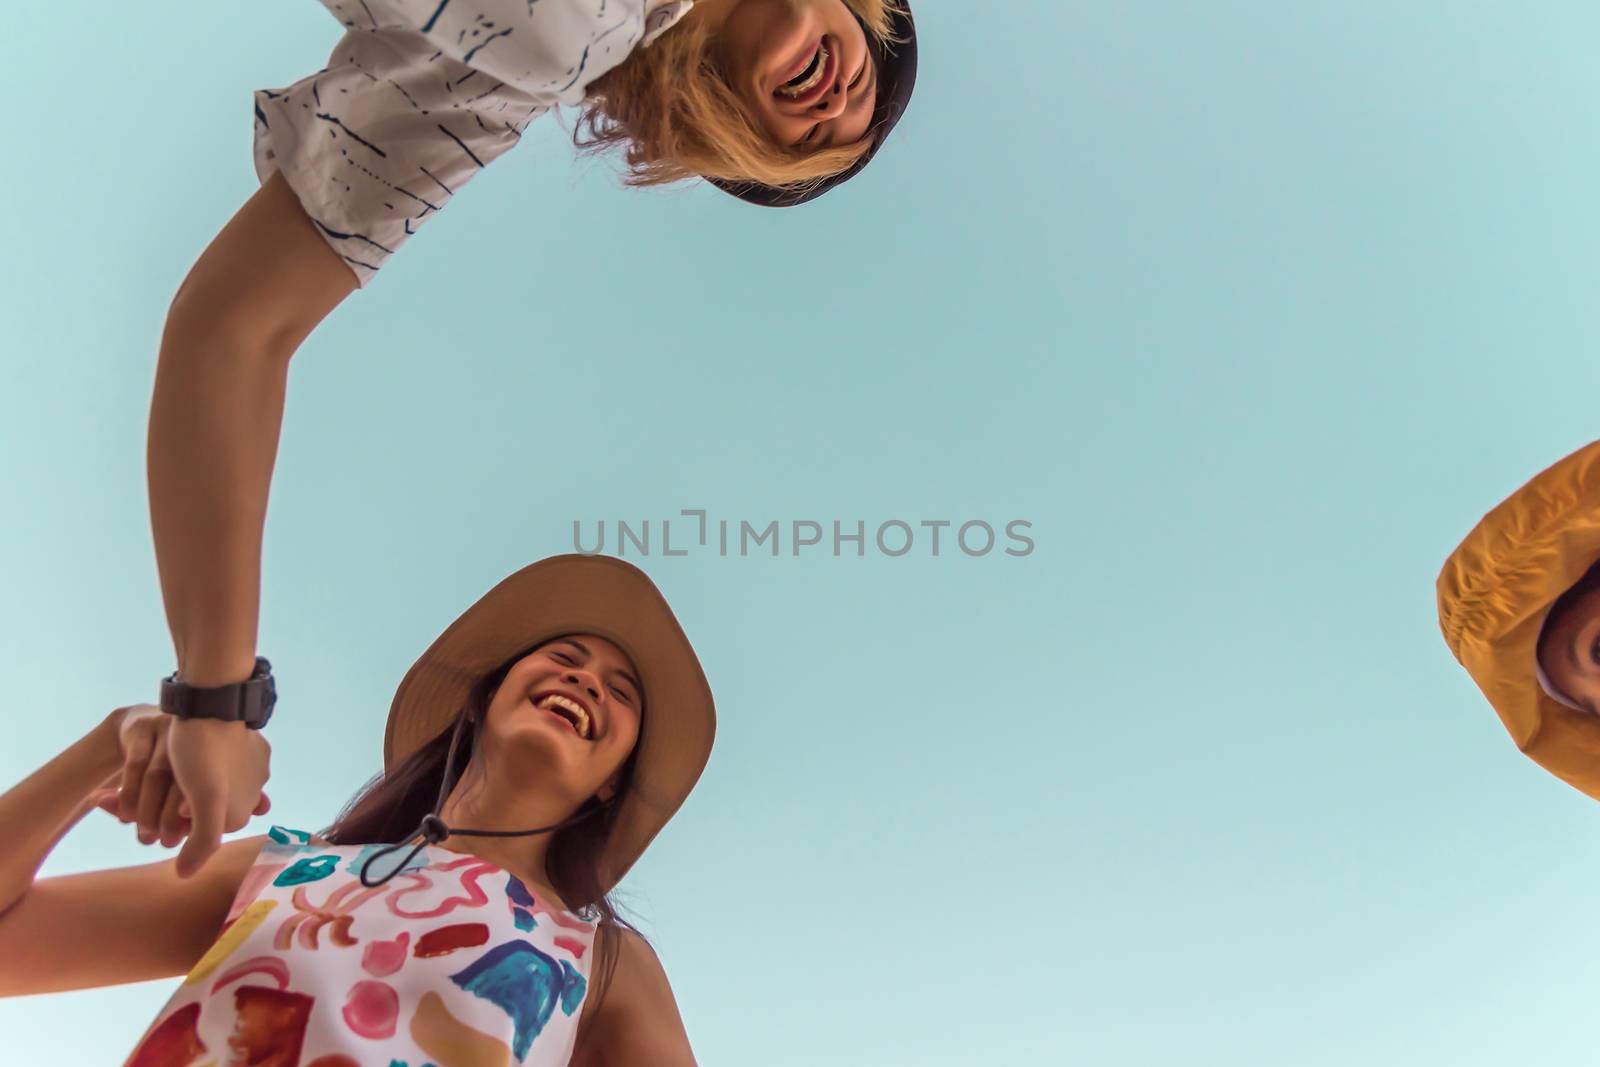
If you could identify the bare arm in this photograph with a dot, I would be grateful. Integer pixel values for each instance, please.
(638, 1020)
(255, 294)
(105, 927)
(260, 288)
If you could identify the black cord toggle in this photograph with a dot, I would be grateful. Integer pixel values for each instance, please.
(433, 829)
(425, 832)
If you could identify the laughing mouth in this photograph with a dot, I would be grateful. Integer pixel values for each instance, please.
(808, 79)
(570, 710)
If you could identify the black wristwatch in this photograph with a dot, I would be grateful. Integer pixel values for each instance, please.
(249, 702)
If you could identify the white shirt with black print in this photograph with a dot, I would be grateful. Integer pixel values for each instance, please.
(420, 95)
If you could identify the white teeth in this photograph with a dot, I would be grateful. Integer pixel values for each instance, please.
(811, 82)
(580, 717)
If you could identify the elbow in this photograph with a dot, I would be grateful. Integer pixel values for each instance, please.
(261, 286)
(13, 964)
(8, 904)
(201, 323)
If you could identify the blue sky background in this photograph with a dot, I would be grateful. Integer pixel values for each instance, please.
(1250, 309)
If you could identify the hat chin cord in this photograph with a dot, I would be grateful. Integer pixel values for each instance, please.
(433, 829)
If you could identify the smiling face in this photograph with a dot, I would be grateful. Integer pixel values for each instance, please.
(1569, 645)
(803, 69)
(571, 709)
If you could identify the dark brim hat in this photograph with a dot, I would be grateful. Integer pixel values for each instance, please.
(572, 594)
(897, 75)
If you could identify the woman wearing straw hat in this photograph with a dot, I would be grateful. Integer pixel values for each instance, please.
(531, 754)
(1519, 605)
(773, 101)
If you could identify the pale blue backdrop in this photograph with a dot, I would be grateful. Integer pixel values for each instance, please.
(1251, 309)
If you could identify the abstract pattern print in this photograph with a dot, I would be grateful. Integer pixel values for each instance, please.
(455, 962)
(418, 96)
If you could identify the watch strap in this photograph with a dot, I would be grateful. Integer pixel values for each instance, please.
(250, 701)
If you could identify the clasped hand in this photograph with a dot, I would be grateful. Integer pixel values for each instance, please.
(187, 781)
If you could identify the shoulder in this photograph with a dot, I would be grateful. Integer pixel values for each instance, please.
(548, 50)
(224, 873)
(213, 888)
(638, 980)
(637, 1014)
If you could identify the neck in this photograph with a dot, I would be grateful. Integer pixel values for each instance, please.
(474, 804)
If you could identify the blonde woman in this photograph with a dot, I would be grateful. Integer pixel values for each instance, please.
(774, 101)
(532, 753)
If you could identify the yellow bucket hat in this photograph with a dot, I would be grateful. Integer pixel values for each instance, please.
(1494, 593)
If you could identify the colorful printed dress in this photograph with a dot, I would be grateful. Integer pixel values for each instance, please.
(454, 962)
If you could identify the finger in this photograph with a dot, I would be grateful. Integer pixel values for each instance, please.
(262, 807)
(172, 823)
(106, 800)
(152, 798)
(236, 817)
(137, 747)
(205, 834)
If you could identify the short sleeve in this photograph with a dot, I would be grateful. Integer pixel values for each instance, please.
(546, 48)
(380, 139)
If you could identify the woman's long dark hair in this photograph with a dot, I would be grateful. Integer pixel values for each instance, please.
(392, 805)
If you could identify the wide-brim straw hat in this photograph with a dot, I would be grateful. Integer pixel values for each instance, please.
(1495, 592)
(572, 594)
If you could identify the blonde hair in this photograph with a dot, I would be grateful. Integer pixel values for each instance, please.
(673, 114)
